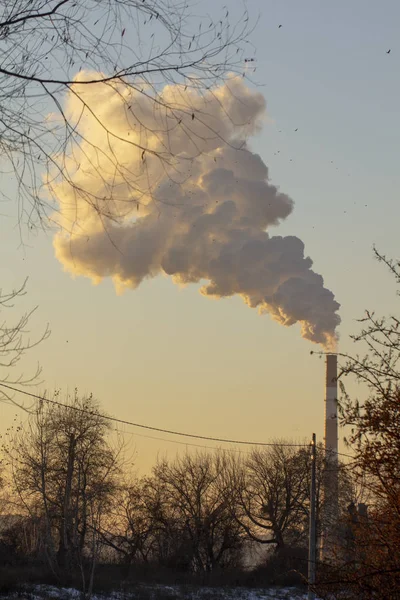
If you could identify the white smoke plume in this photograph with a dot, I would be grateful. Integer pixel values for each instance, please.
(172, 188)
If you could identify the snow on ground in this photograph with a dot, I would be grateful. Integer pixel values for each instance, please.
(42, 592)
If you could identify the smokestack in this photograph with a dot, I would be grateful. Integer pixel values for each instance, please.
(331, 420)
(331, 478)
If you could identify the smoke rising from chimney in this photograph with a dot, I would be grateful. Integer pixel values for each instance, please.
(185, 197)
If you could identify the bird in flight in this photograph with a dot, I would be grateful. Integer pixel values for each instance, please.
(279, 26)
(297, 129)
(388, 51)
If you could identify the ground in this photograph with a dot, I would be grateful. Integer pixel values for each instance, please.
(163, 593)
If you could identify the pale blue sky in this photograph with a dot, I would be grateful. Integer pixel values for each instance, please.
(175, 359)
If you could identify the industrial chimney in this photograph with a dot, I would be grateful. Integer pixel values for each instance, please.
(331, 473)
(331, 420)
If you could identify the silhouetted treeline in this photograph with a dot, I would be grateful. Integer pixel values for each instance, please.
(71, 504)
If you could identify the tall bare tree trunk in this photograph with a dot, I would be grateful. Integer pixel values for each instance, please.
(64, 548)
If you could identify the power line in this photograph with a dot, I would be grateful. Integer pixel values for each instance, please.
(191, 444)
(151, 427)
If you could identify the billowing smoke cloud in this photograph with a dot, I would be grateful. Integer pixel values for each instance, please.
(187, 198)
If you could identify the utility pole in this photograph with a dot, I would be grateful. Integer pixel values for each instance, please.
(312, 538)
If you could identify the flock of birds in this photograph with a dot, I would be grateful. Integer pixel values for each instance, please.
(280, 131)
(332, 162)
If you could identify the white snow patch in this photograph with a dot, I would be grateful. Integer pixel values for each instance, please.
(162, 592)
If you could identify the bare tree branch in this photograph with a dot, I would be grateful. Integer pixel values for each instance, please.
(46, 48)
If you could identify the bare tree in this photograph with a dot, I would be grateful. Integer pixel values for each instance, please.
(64, 469)
(194, 507)
(372, 568)
(14, 343)
(272, 494)
(374, 422)
(132, 47)
(132, 524)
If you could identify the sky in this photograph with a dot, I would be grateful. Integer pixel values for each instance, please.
(168, 357)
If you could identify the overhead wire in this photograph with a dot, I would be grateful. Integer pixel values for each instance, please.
(191, 444)
(162, 430)
(150, 427)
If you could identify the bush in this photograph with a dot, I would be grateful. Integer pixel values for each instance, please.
(12, 577)
(287, 567)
